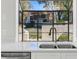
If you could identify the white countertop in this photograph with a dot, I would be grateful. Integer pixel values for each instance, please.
(28, 46)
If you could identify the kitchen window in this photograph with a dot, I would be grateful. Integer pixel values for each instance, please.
(45, 20)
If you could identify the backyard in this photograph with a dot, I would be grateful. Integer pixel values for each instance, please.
(37, 22)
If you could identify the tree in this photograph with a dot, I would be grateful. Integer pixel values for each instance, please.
(46, 3)
(25, 5)
(67, 4)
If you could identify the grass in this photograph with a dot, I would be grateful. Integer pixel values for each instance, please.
(60, 21)
(33, 35)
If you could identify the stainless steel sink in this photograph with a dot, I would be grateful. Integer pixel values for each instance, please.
(54, 46)
(65, 46)
(47, 46)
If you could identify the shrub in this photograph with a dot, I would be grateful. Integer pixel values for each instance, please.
(63, 37)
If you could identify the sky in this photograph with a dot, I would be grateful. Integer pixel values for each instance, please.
(36, 5)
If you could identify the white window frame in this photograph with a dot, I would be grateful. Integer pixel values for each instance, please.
(74, 21)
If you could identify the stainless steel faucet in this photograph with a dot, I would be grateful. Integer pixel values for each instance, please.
(54, 31)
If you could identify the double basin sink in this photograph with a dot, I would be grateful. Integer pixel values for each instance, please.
(55, 46)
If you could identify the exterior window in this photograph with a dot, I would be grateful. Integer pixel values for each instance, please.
(45, 20)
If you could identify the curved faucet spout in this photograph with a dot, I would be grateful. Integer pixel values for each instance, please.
(53, 29)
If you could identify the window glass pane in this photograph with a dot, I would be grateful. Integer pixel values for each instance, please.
(45, 24)
(29, 26)
(45, 20)
(62, 32)
(45, 4)
(71, 17)
(20, 27)
(71, 32)
(61, 17)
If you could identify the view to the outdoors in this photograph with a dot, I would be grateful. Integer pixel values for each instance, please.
(45, 20)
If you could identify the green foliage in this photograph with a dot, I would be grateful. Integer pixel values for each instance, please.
(33, 35)
(60, 21)
(67, 4)
(63, 37)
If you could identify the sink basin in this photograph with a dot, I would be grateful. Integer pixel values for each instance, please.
(47, 46)
(65, 46)
(54, 46)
